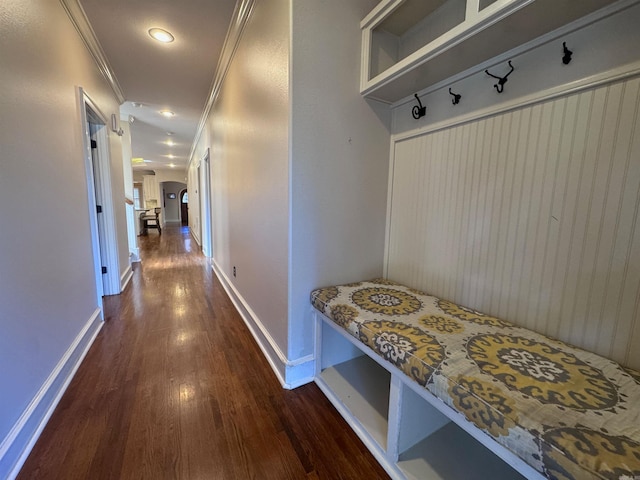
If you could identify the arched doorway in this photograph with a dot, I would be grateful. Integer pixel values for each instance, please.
(184, 207)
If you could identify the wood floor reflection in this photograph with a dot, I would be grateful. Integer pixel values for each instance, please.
(175, 387)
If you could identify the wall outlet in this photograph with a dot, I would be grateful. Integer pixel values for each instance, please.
(234, 270)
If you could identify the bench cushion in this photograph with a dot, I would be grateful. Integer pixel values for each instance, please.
(568, 413)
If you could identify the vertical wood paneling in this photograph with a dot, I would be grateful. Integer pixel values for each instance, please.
(530, 215)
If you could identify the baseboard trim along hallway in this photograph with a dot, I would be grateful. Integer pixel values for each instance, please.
(15, 448)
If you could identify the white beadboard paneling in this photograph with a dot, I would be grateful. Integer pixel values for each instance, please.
(530, 215)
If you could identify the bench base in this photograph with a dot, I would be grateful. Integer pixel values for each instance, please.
(411, 433)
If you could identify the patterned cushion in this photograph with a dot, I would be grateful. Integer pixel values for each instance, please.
(568, 413)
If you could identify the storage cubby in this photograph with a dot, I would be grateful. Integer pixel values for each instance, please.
(409, 45)
(431, 446)
(412, 25)
(411, 433)
(359, 383)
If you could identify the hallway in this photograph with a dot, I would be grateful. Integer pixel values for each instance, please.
(175, 387)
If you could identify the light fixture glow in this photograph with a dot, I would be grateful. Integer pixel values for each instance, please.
(171, 156)
(172, 165)
(167, 113)
(161, 35)
(170, 143)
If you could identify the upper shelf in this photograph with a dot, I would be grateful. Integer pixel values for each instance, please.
(408, 45)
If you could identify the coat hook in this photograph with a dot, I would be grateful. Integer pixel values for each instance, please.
(566, 59)
(501, 80)
(418, 111)
(456, 98)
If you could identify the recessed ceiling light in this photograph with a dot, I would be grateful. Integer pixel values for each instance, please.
(172, 165)
(170, 143)
(161, 35)
(167, 113)
(136, 104)
(169, 133)
(171, 156)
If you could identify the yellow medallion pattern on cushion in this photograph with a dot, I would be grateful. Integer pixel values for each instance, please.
(343, 315)
(387, 301)
(609, 456)
(568, 413)
(410, 349)
(322, 296)
(464, 313)
(441, 324)
(484, 404)
(546, 373)
(634, 374)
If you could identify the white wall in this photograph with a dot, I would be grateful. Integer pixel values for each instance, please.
(48, 292)
(339, 160)
(297, 159)
(523, 205)
(248, 131)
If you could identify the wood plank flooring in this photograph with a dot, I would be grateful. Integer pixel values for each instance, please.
(175, 387)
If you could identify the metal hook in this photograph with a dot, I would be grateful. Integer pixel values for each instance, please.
(566, 59)
(501, 80)
(418, 111)
(456, 98)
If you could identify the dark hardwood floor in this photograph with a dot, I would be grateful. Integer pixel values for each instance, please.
(175, 387)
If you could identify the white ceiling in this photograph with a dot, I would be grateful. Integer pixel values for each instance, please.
(175, 76)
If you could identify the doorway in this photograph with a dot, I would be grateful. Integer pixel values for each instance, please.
(184, 207)
(100, 198)
(204, 178)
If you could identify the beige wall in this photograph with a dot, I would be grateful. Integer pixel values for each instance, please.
(48, 290)
(339, 160)
(298, 159)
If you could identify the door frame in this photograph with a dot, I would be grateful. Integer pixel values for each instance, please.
(205, 204)
(91, 118)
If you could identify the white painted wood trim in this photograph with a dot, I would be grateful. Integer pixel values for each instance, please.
(126, 276)
(622, 73)
(110, 234)
(48, 397)
(524, 48)
(460, 33)
(503, 453)
(280, 364)
(80, 21)
(379, 454)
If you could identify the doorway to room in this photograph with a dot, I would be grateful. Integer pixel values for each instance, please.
(100, 199)
(184, 207)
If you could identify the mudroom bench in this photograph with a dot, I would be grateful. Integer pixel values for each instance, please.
(437, 390)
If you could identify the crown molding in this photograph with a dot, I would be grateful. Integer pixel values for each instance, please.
(239, 19)
(80, 21)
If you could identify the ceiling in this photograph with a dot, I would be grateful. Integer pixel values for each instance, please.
(154, 76)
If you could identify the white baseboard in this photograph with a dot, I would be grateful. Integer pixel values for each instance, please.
(134, 255)
(195, 236)
(291, 373)
(125, 278)
(17, 445)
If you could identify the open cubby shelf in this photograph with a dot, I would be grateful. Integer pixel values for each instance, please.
(411, 433)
